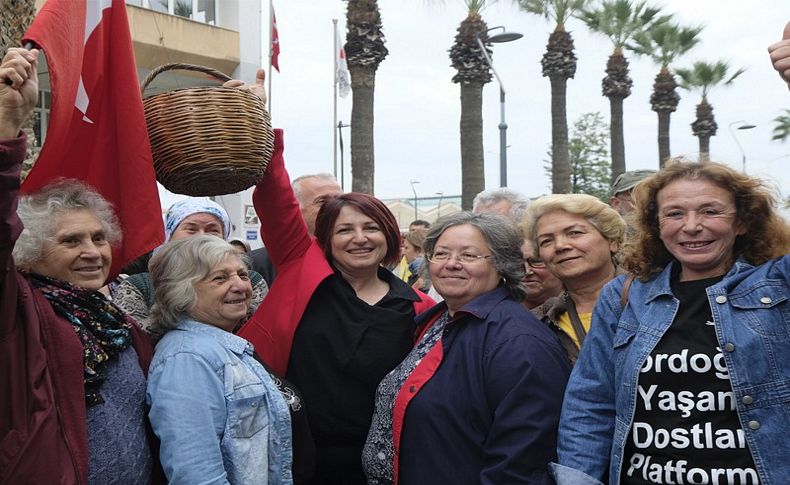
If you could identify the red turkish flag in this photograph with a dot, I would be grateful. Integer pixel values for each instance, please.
(275, 43)
(97, 130)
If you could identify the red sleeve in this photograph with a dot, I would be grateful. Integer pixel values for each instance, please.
(283, 229)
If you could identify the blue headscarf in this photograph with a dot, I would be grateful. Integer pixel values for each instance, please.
(195, 205)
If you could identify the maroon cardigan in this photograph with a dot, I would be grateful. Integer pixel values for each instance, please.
(43, 430)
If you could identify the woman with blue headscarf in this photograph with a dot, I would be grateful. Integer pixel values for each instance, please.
(188, 217)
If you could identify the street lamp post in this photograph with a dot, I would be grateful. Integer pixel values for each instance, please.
(499, 38)
(742, 125)
(413, 182)
(439, 207)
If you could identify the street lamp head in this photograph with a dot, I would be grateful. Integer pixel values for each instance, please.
(505, 37)
(747, 127)
(501, 37)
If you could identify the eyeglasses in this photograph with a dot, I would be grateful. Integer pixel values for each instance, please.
(467, 258)
(535, 263)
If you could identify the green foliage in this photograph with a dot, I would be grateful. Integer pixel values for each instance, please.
(621, 20)
(590, 162)
(705, 76)
(557, 10)
(665, 42)
(782, 127)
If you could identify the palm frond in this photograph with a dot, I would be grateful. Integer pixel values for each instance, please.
(782, 129)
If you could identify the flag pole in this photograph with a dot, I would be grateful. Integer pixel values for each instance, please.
(271, 54)
(334, 92)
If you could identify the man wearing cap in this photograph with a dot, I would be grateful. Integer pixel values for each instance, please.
(623, 186)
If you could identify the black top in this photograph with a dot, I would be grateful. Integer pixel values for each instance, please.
(341, 350)
(686, 428)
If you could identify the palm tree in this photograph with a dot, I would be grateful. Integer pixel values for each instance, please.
(473, 73)
(664, 43)
(364, 52)
(559, 65)
(16, 18)
(704, 76)
(620, 21)
(782, 128)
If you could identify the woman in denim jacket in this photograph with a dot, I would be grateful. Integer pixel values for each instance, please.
(218, 413)
(683, 377)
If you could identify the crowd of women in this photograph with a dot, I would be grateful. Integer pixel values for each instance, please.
(563, 350)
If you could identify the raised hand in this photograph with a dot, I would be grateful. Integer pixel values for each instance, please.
(18, 89)
(258, 89)
(780, 55)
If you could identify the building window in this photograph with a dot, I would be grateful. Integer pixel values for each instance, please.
(41, 116)
(204, 11)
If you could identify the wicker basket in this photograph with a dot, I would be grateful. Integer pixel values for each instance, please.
(207, 140)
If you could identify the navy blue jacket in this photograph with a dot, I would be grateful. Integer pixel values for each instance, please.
(483, 406)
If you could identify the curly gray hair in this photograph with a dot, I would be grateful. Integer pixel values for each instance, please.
(39, 215)
(502, 237)
(175, 269)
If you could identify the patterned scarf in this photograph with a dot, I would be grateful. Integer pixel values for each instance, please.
(103, 329)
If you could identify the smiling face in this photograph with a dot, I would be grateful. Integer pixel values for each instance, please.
(698, 226)
(358, 243)
(223, 296)
(458, 283)
(78, 251)
(573, 249)
(540, 283)
(198, 225)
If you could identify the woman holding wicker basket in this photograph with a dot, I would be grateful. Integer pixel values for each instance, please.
(335, 321)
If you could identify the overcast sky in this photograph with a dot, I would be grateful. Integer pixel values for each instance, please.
(417, 107)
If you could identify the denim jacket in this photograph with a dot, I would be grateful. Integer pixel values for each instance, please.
(751, 314)
(216, 410)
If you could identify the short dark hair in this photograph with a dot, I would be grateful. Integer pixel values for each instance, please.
(366, 204)
(420, 222)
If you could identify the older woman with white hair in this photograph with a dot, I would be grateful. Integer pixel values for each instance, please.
(217, 411)
(477, 400)
(576, 237)
(73, 364)
(189, 217)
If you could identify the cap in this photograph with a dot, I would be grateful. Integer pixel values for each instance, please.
(628, 180)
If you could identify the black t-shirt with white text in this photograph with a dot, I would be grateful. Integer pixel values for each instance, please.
(686, 429)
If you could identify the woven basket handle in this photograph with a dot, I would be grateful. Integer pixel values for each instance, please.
(186, 67)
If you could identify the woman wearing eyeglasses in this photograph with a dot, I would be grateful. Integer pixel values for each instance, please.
(477, 399)
(538, 280)
(577, 237)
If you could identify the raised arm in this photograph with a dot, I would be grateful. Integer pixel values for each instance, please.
(283, 229)
(18, 94)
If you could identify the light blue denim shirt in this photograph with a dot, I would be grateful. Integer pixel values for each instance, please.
(751, 313)
(218, 413)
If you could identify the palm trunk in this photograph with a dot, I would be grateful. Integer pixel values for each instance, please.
(704, 127)
(472, 162)
(617, 137)
(362, 158)
(664, 153)
(704, 148)
(560, 156)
